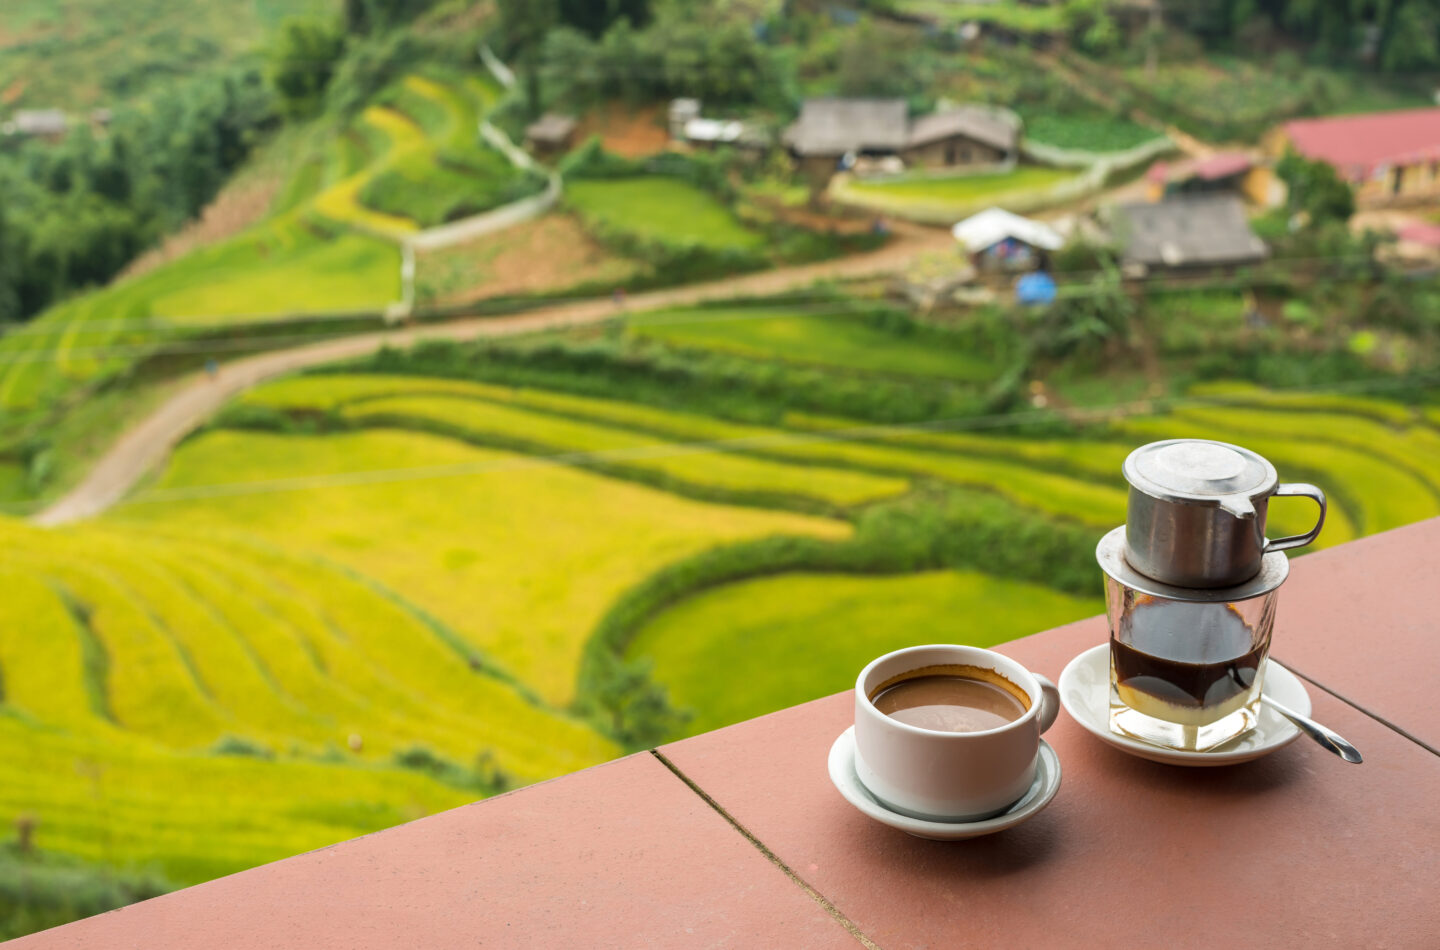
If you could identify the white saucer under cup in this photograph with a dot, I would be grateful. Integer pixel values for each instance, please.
(1085, 694)
(847, 782)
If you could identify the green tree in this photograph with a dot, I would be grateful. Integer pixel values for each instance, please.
(1091, 26)
(371, 65)
(597, 16)
(633, 708)
(877, 60)
(721, 63)
(526, 25)
(77, 211)
(363, 17)
(9, 270)
(302, 62)
(1315, 189)
(1413, 40)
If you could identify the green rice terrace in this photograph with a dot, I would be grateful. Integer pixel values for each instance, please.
(665, 208)
(954, 195)
(363, 595)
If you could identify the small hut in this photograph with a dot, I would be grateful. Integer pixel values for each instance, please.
(550, 135)
(997, 240)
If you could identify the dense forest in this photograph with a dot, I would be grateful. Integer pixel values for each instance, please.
(75, 212)
(1391, 35)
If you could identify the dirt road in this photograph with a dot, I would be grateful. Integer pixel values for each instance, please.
(147, 444)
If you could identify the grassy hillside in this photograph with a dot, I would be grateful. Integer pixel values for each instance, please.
(86, 53)
(329, 245)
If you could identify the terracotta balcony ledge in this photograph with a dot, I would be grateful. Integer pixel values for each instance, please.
(736, 838)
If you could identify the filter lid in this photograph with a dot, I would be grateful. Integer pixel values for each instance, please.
(1199, 471)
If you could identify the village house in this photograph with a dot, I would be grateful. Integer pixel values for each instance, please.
(550, 135)
(1222, 173)
(1389, 158)
(688, 126)
(1199, 232)
(48, 124)
(1417, 242)
(997, 240)
(830, 131)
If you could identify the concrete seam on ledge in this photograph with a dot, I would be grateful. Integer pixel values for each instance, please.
(1373, 715)
(773, 858)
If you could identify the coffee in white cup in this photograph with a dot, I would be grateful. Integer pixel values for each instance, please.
(949, 733)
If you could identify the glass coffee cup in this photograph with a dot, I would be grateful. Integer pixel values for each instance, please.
(1187, 665)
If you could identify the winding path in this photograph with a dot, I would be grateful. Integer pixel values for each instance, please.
(145, 445)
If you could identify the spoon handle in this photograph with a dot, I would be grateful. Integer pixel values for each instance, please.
(1327, 737)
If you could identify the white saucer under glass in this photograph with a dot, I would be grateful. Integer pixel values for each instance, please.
(1085, 694)
(1041, 791)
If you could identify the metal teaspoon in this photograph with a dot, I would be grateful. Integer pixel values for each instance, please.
(1327, 737)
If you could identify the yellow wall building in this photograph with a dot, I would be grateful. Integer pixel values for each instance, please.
(1389, 158)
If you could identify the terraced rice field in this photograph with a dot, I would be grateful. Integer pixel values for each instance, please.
(1091, 502)
(701, 466)
(526, 579)
(661, 209)
(450, 172)
(788, 639)
(427, 561)
(125, 668)
(1072, 479)
(824, 334)
(961, 192)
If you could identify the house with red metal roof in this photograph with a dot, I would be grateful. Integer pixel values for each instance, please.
(1388, 157)
(1222, 172)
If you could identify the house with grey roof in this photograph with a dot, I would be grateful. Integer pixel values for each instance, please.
(1186, 233)
(828, 130)
(551, 134)
(965, 135)
(38, 123)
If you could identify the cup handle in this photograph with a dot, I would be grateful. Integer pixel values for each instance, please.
(1049, 702)
(1300, 489)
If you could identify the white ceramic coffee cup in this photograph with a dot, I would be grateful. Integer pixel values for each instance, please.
(950, 776)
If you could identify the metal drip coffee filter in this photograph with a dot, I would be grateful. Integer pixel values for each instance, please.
(1196, 513)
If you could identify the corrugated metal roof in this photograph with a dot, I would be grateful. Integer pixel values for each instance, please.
(1357, 145)
(1418, 232)
(551, 128)
(994, 225)
(837, 126)
(40, 121)
(1187, 232)
(1211, 168)
(973, 122)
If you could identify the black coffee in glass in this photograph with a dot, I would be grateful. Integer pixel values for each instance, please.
(1183, 674)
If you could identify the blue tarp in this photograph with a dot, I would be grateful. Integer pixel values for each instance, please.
(1035, 288)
